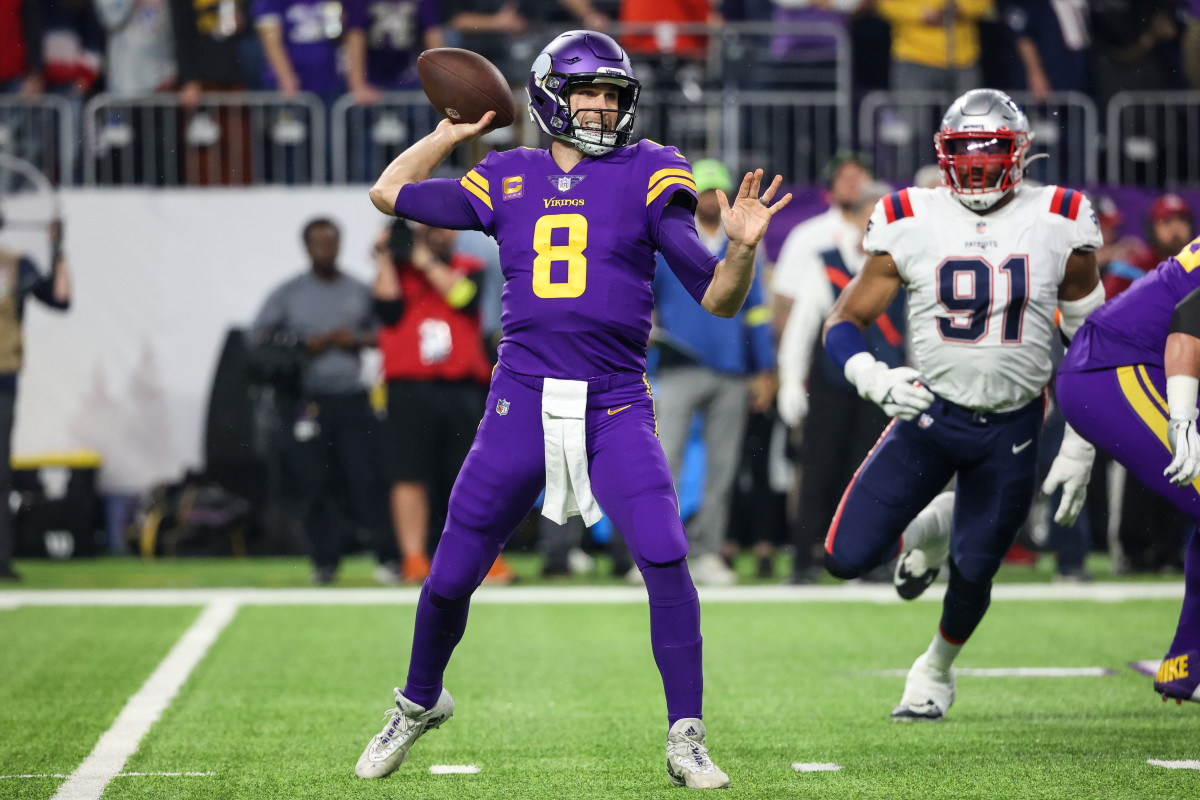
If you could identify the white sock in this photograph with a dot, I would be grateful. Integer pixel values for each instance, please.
(941, 654)
(930, 530)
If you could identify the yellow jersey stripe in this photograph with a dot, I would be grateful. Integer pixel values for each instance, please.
(759, 315)
(479, 180)
(1149, 384)
(662, 173)
(475, 190)
(1150, 412)
(662, 186)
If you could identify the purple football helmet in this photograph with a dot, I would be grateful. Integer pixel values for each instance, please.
(574, 58)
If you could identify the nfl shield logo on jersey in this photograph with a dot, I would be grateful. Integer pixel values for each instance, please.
(981, 228)
(502, 406)
(925, 421)
(564, 184)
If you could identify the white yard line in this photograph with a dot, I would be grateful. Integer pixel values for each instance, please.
(574, 595)
(1008, 672)
(454, 769)
(123, 775)
(120, 741)
(1174, 764)
(817, 766)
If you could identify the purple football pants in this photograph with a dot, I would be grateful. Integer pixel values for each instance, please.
(499, 483)
(1124, 412)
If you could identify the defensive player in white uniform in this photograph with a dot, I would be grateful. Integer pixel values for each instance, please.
(986, 262)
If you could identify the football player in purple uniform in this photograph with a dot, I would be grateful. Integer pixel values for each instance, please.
(569, 408)
(1134, 351)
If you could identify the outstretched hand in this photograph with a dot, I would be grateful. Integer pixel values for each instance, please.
(460, 132)
(747, 219)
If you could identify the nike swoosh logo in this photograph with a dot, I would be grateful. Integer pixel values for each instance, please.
(1019, 447)
(612, 411)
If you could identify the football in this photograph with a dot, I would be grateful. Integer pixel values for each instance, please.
(463, 85)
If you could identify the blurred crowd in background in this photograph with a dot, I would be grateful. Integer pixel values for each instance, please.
(763, 435)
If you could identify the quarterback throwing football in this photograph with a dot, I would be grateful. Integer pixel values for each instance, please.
(569, 408)
(986, 261)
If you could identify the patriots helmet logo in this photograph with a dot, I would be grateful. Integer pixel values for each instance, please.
(502, 406)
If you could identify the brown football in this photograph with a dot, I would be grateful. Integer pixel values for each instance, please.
(463, 85)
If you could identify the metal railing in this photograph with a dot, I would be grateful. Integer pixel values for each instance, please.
(238, 138)
(1154, 139)
(40, 130)
(365, 139)
(897, 128)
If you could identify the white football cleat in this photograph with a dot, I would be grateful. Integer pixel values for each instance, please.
(404, 725)
(688, 763)
(928, 693)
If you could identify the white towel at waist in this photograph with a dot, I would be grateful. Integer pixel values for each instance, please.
(568, 487)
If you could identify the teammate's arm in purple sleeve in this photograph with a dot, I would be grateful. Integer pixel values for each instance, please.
(686, 255)
(439, 202)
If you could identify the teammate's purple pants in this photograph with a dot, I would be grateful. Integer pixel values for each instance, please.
(500, 481)
(1123, 411)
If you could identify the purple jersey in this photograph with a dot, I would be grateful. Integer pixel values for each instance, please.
(312, 30)
(577, 252)
(1132, 328)
(395, 31)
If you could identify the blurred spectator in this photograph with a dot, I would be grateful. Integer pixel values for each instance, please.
(1136, 46)
(397, 32)
(666, 16)
(1051, 41)
(758, 512)
(795, 53)
(493, 28)
(1113, 257)
(332, 449)
(837, 427)
(301, 39)
(208, 39)
(1190, 44)
(72, 44)
(845, 176)
(1170, 224)
(928, 177)
(21, 47)
(713, 366)
(935, 43)
(20, 278)
(140, 46)
(427, 295)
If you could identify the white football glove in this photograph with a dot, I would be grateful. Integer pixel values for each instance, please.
(1071, 470)
(1185, 445)
(897, 391)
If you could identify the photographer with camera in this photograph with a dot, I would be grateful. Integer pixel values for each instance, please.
(331, 448)
(427, 295)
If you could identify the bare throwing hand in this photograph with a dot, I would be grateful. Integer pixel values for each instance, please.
(747, 219)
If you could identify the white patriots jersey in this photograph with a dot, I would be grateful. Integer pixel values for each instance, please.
(983, 289)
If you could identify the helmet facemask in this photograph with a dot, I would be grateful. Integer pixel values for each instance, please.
(981, 167)
(549, 106)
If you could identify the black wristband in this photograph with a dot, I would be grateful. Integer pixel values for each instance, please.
(1186, 317)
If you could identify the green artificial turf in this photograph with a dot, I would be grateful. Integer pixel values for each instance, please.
(556, 702)
(113, 572)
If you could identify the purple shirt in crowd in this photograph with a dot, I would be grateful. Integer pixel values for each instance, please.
(395, 33)
(1132, 328)
(312, 31)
